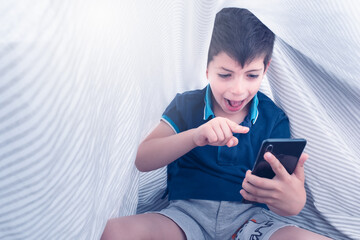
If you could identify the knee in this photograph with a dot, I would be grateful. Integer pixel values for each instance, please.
(121, 228)
(109, 230)
(116, 229)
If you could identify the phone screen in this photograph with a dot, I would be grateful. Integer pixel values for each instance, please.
(287, 151)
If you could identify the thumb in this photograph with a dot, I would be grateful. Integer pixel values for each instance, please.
(232, 142)
(299, 170)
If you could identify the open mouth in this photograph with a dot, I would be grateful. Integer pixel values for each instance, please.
(234, 105)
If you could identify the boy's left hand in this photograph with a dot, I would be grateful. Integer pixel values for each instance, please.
(284, 194)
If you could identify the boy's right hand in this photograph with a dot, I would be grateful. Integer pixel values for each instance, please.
(218, 132)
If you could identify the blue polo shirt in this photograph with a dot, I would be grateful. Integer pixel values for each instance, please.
(212, 172)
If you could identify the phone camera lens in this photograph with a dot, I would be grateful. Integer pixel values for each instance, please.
(269, 148)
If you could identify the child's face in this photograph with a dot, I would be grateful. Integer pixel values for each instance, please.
(233, 87)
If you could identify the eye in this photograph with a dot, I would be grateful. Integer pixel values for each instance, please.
(253, 76)
(224, 75)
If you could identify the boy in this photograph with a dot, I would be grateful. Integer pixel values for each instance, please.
(209, 139)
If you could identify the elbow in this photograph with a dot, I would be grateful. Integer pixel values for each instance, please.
(144, 160)
(141, 166)
(141, 169)
(141, 160)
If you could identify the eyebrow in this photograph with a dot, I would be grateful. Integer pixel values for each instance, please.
(227, 69)
(252, 70)
(255, 70)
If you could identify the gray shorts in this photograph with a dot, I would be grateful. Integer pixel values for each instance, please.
(204, 219)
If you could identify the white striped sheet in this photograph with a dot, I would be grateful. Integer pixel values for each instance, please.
(82, 82)
(64, 142)
(151, 190)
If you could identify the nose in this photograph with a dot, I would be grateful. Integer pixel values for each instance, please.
(238, 87)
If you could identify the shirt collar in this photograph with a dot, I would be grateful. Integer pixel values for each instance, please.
(208, 112)
(254, 112)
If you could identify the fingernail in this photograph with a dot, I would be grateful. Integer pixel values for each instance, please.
(245, 128)
(268, 155)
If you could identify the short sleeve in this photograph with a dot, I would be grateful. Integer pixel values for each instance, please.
(173, 114)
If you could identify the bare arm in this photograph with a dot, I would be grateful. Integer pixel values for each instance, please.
(163, 146)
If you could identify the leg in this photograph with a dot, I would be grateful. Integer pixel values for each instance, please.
(295, 233)
(142, 226)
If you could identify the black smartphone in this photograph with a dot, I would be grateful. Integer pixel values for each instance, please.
(287, 150)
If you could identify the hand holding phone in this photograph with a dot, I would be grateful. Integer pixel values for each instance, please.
(287, 151)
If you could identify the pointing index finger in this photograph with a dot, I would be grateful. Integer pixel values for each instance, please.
(236, 128)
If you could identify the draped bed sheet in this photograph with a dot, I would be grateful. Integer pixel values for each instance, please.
(83, 82)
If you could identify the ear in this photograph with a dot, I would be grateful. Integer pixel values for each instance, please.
(267, 66)
(207, 73)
